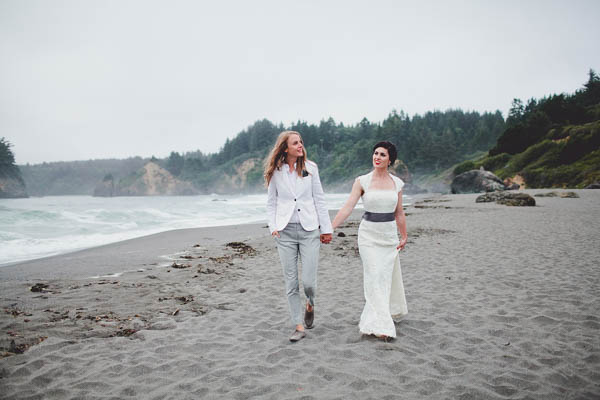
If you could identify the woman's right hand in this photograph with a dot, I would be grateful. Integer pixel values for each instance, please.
(275, 234)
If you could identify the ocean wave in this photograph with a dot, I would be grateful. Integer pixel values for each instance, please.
(39, 227)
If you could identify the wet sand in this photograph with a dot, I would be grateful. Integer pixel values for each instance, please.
(503, 304)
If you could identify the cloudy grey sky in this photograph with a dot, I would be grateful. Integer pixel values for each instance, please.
(101, 79)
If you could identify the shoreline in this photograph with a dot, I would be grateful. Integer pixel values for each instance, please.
(502, 304)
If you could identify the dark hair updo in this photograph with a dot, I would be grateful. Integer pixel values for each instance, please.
(389, 146)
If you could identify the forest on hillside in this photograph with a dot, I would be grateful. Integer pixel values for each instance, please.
(426, 143)
(8, 168)
(550, 142)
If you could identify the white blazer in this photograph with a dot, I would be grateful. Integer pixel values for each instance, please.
(309, 200)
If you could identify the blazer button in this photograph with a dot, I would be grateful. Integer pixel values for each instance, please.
(298, 209)
(294, 199)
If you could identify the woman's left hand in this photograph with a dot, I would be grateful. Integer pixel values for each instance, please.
(402, 243)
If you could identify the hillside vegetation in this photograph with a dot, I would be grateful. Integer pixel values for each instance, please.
(552, 142)
(11, 181)
(428, 143)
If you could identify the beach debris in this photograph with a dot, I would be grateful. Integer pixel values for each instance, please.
(223, 306)
(124, 332)
(242, 290)
(242, 248)
(221, 260)
(39, 287)
(151, 277)
(341, 234)
(187, 257)
(180, 266)
(196, 245)
(17, 349)
(419, 205)
(185, 299)
(175, 312)
(15, 312)
(562, 195)
(20, 348)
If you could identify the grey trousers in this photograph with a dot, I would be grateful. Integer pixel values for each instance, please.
(296, 241)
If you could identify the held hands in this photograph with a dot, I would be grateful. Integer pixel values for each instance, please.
(402, 243)
(326, 238)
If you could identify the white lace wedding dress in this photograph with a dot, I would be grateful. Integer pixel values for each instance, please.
(377, 242)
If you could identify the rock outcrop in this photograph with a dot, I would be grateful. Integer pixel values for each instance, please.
(563, 195)
(476, 181)
(151, 180)
(507, 198)
(106, 188)
(237, 181)
(12, 188)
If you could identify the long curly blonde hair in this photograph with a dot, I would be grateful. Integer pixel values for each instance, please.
(278, 156)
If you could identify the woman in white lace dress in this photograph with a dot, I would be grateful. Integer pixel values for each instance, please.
(378, 242)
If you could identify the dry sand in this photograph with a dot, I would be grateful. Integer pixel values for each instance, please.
(503, 304)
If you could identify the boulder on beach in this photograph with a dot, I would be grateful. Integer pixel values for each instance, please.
(476, 181)
(507, 198)
(517, 199)
(563, 195)
(595, 185)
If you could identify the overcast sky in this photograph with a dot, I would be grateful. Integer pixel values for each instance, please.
(112, 79)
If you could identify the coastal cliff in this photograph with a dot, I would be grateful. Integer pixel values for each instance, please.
(12, 188)
(151, 180)
(12, 185)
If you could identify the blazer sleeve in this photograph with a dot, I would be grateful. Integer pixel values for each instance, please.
(272, 205)
(319, 200)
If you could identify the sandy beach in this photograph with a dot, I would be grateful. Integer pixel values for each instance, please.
(503, 304)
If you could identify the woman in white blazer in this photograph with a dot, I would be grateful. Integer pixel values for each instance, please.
(297, 211)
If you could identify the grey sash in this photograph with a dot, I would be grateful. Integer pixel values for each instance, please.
(378, 217)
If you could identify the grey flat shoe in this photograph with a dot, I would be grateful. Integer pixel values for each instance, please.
(309, 318)
(297, 335)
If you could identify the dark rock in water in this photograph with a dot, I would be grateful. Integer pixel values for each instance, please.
(341, 234)
(476, 181)
(595, 185)
(508, 199)
(563, 195)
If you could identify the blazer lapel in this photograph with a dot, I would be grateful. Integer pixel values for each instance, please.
(284, 178)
